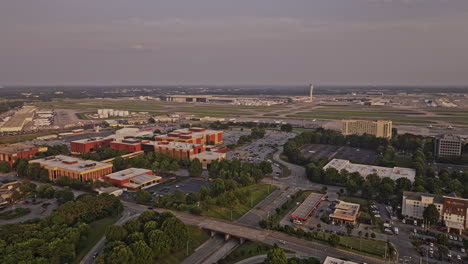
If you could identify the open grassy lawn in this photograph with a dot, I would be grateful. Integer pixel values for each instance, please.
(369, 247)
(197, 238)
(258, 193)
(97, 230)
(246, 250)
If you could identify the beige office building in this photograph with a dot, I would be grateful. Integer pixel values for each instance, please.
(378, 128)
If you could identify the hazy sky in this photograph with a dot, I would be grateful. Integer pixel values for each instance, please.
(330, 42)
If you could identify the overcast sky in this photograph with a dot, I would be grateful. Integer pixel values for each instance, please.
(328, 42)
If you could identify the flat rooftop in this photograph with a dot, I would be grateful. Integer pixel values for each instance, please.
(417, 196)
(331, 260)
(90, 140)
(128, 174)
(70, 163)
(15, 148)
(346, 211)
(309, 204)
(364, 170)
(173, 145)
(209, 155)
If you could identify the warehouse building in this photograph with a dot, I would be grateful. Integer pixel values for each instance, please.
(364, 170)
(19, 119)
(75, 168)
(379, 128)
(12, 152)
(134, 178)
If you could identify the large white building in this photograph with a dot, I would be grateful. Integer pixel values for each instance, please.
(393, 173)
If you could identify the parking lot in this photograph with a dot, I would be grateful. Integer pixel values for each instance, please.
(187, 186)
(357, 155)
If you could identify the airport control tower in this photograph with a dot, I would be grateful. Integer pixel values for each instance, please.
(311, 87)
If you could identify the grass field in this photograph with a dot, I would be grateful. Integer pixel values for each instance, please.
(196, 238)
(370, 247)
(258, 193)
(97, 230)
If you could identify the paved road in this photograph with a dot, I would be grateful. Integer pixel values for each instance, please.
(206, 250)
(127, 215)
(267, 207)
(261, 258)
(226, 248)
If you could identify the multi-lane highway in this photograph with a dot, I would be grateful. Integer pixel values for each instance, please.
(300, 246)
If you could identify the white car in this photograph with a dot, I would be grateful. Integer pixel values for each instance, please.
(282, 242)
(450, 237)
(458, 257)
(449, 255)
(432, 244)
(462, 250)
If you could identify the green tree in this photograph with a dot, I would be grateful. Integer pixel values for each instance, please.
(176, 231)
(120, 254)
(4, 166)
(132, 226)
(142, 252)
(45, 191)
(142, 196)
(431, 214)
(159, 242)
(334, 240)
(196, 168)
(286, 127)
(64, 195)
(442, 239)
(276, 256)
(116, 233)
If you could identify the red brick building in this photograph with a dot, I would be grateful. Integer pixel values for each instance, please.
(177, 150)
(75, 168)
(128, 144)
(193, 135)
(88, 145)
(10, 153)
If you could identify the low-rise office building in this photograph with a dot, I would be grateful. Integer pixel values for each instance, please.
(393, 173)
(128, 144)
(10, 153)
(75, 168)
(207, 157)
(89, 144)
(345, 213)
(193, 135)
(378, 128)
(134, 178)
(176, 150)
